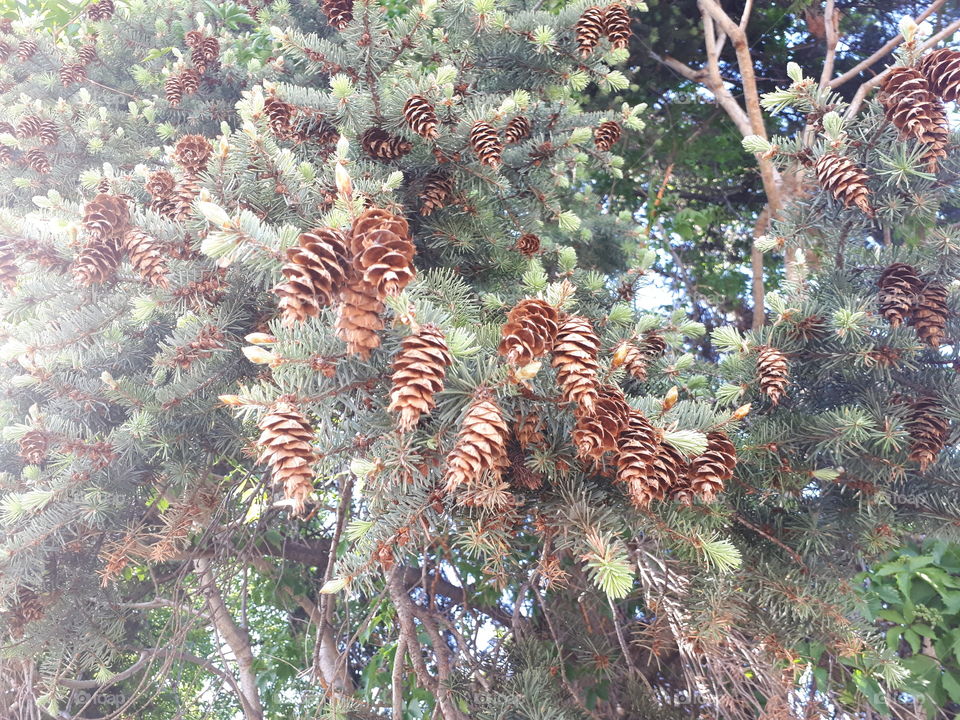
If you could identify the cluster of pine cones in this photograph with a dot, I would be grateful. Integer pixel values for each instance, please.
(611, 22)
(905, 297)
(205, 55)
(41, 131)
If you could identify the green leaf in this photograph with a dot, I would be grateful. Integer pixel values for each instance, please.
(720, 553)
(951, 685)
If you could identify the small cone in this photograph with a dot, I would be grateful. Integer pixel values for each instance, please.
(773, 373)
(34, 445)
(418, 372)
(339, 12)
(529, 332)
(72, 73)
(899, 288)
(105, 216)
(160, 184)
(192, 152)
(101, 10)
(190, 81)
(839, 176)
(528, 245)
(606, 135)
(481, 447)
(421, 117)
(146, 256)
(279, 115)
(286, 442)
(929, 431)
(638, 447)
(26, 50)
(616, 20)
(173, 89)
(589, 29)
(711, 469)
(437, 193)
(575, 360)
(528, 431)
(930, 313)
(381, 145)
(517, 129)
(38, 161)
(314, 273)
(87, 53)
(909, 103)
(669, 470)
(486, 144)
(633, 359)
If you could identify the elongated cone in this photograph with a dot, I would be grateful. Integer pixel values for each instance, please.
(529, 332)
(589, 29)
(147, 256)
(616, 21)
(597, 432)
(481, 446)
(847, 182)
(929, 431)
(286, 442)
(899, 288)
(575, 360)
(773, 372)
(713, 467)
(637, 450)
(437, 192)
(606, 135)
(941, 68)
(517, 129)
(8, 265)
(383, 251)
(909, 102)
(930, 313)
(314, 274)
(380, 144)
(421, 117)
(486, 143)
(418, 372)
(97, 262)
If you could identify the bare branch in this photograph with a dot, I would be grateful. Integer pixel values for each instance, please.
(830, 25)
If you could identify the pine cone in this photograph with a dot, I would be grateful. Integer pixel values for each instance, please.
(521, 476)
(37, 161)
(529, 332)
(486, 143)
(616, 21)
(653, 344)
(899, 289)
(28, 126)
(168, 207)
(190, 80)
(589, 29)
(5, 51)
(101, 10)
(481, 446)
(528, 244)
(527, 431)
(711, 469)
(575, 360)
(383, 251)
(930, 313)
(146, 256)
(669, 471)
(26, 50)
(279, 115)
(628, 355)
(937, 137)
(437, 193)
(6, 154)
(597, 432)
(105, 216)
(72, 73)
(909, 102)
(928, 429)
(47, 133)
(359, 320)
(8, 265)
(87, 54)
(638, 448)
(517, 129)
(773, 372)
(606, 135)
(314, 274)
(286, 440)
(193, 38)
(418, 371)
(839, 176)
(941, 68)
(421, 117)
(338, 12)
(173, 89)
(184, 195)
(192, 152)
(97, 262)
(34, 445)
(381, 145)
(205, 54)
(160, 184)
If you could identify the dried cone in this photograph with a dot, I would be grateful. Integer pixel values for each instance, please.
(773, 372)
(936, 137)
(606, 135)
(315, 272)
(634, 359)
(147, 257)
(33, 446)
(616, 22)
(102, 10)
(421, 117)
(528, 245)
(930, 313)
(160, 184)
(184, 195)
(38, 161)
(575, 360)
(481, 446)
(192, 152)
(711, 469)
(638, 448)
(279, 115)
(597, 432)
(669, 469)
(5, 51)
(286, 441)
(105, 216)
(941, 68)
(8, 265)
(929, 431)
(87, 54)
(528, 432)
(521, 476)
(359, 320)
(589, 29)
(26, 50)
(418, 371)
(72, 73)
(486, 143)
(28, 126)
(899, 289)
(437, 193)
(847, 182)
(173, 89)
(339, 12)
(383, 251)
(517, 129)
(529, 332)
(190, 81)
(97, 262)
(381, 145)
(47, 133)
(909, 103)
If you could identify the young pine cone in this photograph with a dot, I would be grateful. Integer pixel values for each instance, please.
(616, 21)
(383, 251)
(192, 153)
(928, 429)
(339, 12)
(437, 193)
(941, 68)
(529, 332)
(528, 245)
(421, 117)
(930, 313)
(418, 372)
(637, 449)
(517, 129)
(589, 29)
(105, 216)
(147, 257)
(286, 442)
(97, 262)
(606, 135)
(773, 372)
(575, 361)
(486, 144)
(314, 274)
(713, 467)
(481, 446)
(841, 177)
(899, 289)
(381, 145)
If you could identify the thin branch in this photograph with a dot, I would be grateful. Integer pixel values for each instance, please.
(831, 26)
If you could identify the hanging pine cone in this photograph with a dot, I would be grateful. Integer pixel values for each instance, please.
(101, 10)
(528, 431)
(72, 73)
(838, 175)
(521, 476)
(713, 467)
(87, 54)
(205, 54)
(481, 446)
(928, 429)
(189, 81)
(279, 115)
(653, 345)
(899, 289)
(193, 38)
(941, 68)
(589, 29)
(8, 265)
(637, 449)
(597, 432)
(339, 12)
(97, 262)
(381, 145)
(669, 471)
(421, 117)
(606, 135)
(575, 360)
(359, 320)
(168, 207)
(5, 51)
(437, 192)
(146, 256)
(486, 143)
(160, 184)
(616, 21)
(34, 445)
(908, 102)
(628, 355)
(930, 313)
(26, 50)
(47, 133)
(418, 371)
(28, 126)
(37, 161)
(286, 441)
(529, 332)
(184, 195)
(773, 372)
(383, 251)
(105, 216)
(528, 245)
(517, 129)
(314, 274)
(192, 153)
(936, 137)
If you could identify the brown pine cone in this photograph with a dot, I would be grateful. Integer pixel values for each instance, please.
(597, 432)
(616, 21)
(589, 29)
(528, 430)
(521, 476)
(286, 441)
(481, 446)
(928, 429)
(630, 356)
(72, 73)
(669, 471)
(930, 313)
(6, 154)
(192, 153)
(279, 115)
(5, 51)
(517, 129)
(168, 207)
(529, 332)
(37, 161)
(653, 344)
(359, 320)
(184, 195)
(528, 244)
(418, 372)
(606, 135)
(34, 445)
(941, 68)
(936, 137)
(105, 216)
(437, 193)
(47, 133)
(575, 361)
(100, 10)
(147, 257)
(908, 102)
(339, 12)
(486, 143)
(314, 274)
(193, 38)
(189, 81)
(8, 265)
(381, 145)
(383, 251)
(713, 467)
(637, 449)
(899, 289)
(421, 117)
(97, 262)
(28, 126)
(160, 184)
(26, 50)
(87, 54)
(773, 372)
(847, 182)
